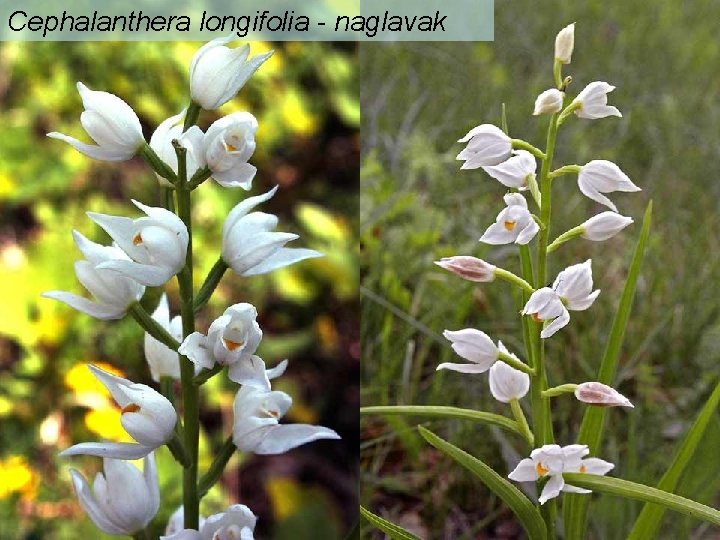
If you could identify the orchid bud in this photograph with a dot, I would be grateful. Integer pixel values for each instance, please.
(474, 346)
(113, 293)
(487, 145)
(228, 145)
(595, 393)
(192, 140)
(163, 361)
(549, 102)
(600, 176)
(147, 416)
(217, 72)
(157, 244)
(574, 286)
(251, 247)
(513, 224)
(110, 122)
(470, 268)
(516, 172)
(256, 428)
(591, 102)
(564, 44)
(122, 500)
(604, 225)
(507, 383)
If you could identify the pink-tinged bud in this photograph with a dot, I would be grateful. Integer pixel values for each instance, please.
(595, 393)
(470, 268)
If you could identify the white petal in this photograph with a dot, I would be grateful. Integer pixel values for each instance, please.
(278, 370)
(240, 175)
(89, 504)
(103, 312)
(93, 151)
(251, 372)
(464, 368)
(112, 450)
(195, 348)
(557, 324)
(552, 488)
(528, 233)
(151, 276)
(281, 258)
(524, 471)
(597, 466)
(281, 438)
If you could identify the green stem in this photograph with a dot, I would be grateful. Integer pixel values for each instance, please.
(211, 282)
(177, 449)
(519, 144)
(218, 466)
(207, 374)
(564, 237)
(557, 74)
(515, 280)
(157, 164)
(190, 392)
(166, 388)
(152, 327)
(141, 535)
(191, 116)
(565, 169)
(168, 196)
(515, 363)
(199, 177)
(522, 421)
(559, 390)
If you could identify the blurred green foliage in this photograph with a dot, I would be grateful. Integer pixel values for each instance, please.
(417, 206)
(306, 101)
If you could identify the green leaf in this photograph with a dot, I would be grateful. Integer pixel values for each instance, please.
(526, 512)
(393, 531)
(431, 411)
(650, 518)
(591, 429)
(640, 492)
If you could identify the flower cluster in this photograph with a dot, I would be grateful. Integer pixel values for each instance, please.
(546, 310)
(148, 251)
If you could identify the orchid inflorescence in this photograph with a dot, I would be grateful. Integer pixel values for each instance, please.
(512, 162)
(148, 251)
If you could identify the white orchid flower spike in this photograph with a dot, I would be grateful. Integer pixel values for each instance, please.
(156, 244)
(513, 224)
(147, 416)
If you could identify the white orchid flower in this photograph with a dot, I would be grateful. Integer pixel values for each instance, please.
(516, 171)
(572, 290)
(236, 523)
(513, 224)
(470, 268)
(110, 122)
(487, 145)
(596, 393)
(163, 361)
(217, 72)
(122, 500)
(251, 247)
(549, 102)
(147, 416)
(507, 383)
(591, 102)
(157, 244)
(474, 346)
(604, 225)
(552, 461)
(228, 145)
(256, 428)
(232, 340)
(192, 140)
(564, 44)
(113, 293)
(600, 176)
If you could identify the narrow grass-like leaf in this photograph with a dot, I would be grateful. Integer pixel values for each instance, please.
(591, 429)
(432, 411)
(393, 531)
(522, 507)
(640, 492)
(651, 516)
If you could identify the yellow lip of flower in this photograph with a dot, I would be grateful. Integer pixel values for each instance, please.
(137, 239)
(232, 345)
(509, 225)
(541, 470)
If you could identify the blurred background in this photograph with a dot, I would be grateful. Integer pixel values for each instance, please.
(417, 206)
(306, 101)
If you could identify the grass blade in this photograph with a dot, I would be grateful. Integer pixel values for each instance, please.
(432, 411)
(393, 531)
(640, 492)
(591, 429)
(650, 518)
(526, 512)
